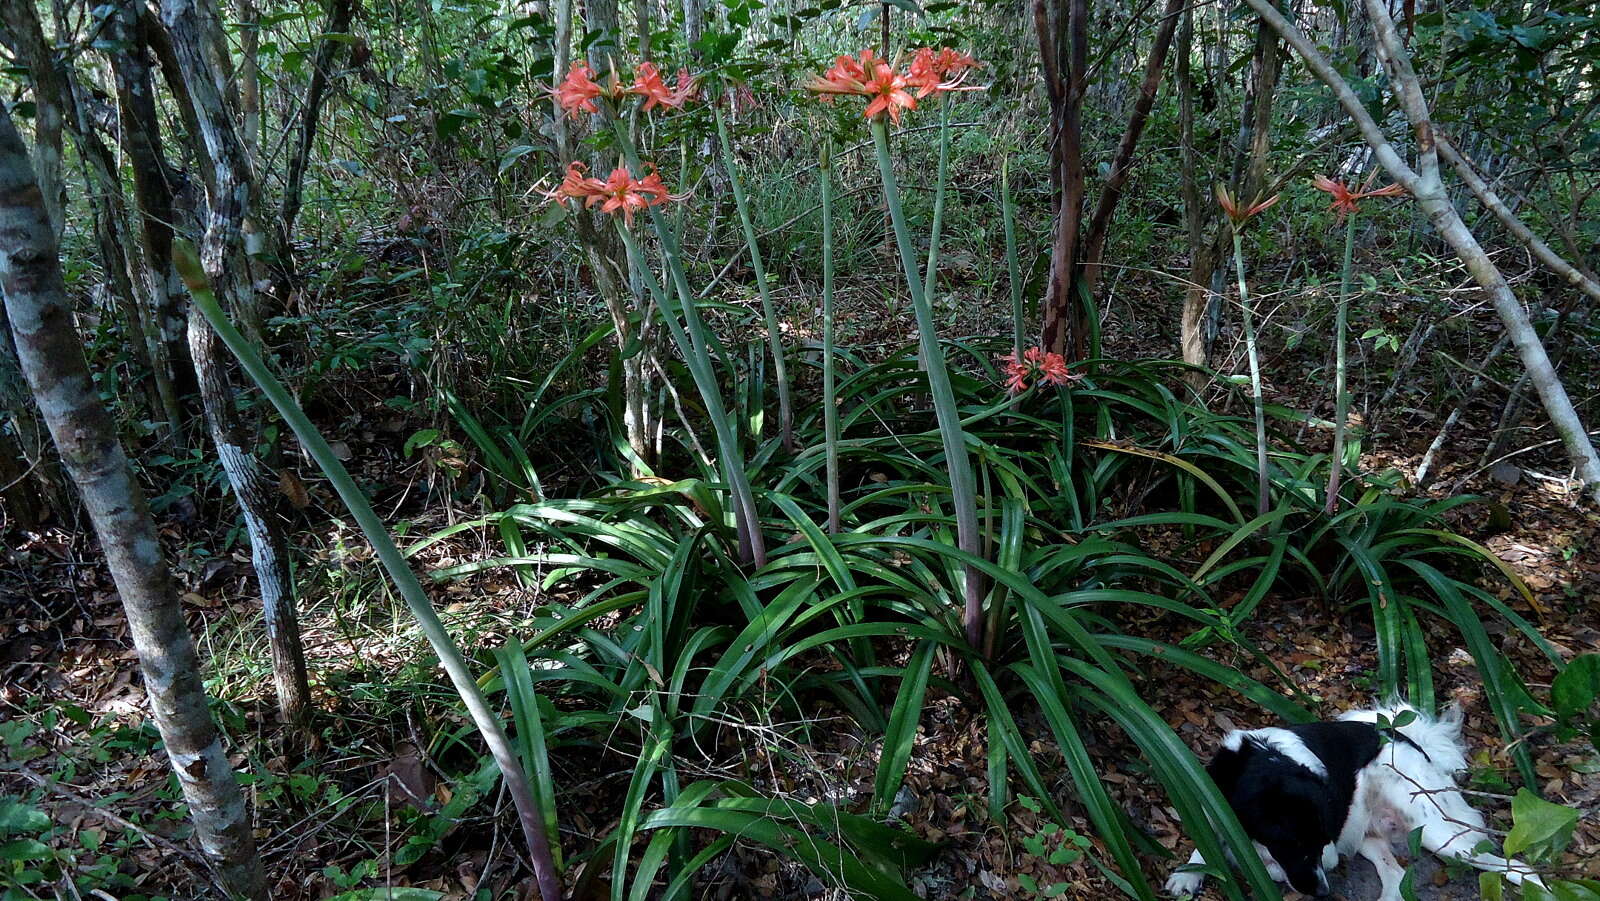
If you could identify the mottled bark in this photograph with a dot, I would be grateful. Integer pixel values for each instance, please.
(56, 87)
(152, 187)
(226, 253)
(269, 552)
(52, 359)
(232, 225)
(1424, 184)
(311, 109)
(25, 38)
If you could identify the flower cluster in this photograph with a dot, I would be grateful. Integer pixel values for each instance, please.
(1239, 212)
(1345, 200)
(578, 91)
(1037, 365)
(619, 192)
(890, 91)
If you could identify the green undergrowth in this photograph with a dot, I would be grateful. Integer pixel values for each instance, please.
(668, 636)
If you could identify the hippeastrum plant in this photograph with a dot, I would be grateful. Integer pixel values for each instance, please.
(1240, 215)
(887, 90)
(1346, 204)
(629, 191)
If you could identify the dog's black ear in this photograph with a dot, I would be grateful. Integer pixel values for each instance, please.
(1227, 766)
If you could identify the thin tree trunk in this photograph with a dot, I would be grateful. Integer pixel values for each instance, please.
(269, 552)
(52, 359)
(311, 109)
(227, 263)
(1122, 165)
(250, 80)
(152, 189)
(1060, 307)
(1197, 293)
(1473, 387)
(30, 487)
(1424, 184)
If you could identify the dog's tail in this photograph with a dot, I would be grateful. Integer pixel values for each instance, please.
(1437, 737)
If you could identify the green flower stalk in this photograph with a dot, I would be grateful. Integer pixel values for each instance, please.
(768, 314)
(1239, 215)
(830, 401)
(951, 433)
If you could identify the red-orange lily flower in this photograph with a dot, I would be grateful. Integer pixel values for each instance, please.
(1239, 213)
(1346, 201)
(647, 83)
(867, 76)
(577, 92)
(1037, 365)
(937, 72)
(888, 92)
(620, 192)
(845, 76)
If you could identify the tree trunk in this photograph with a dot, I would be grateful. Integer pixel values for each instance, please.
(1060, 311)
(152, 188)
(311, 109)
(1122, 166)
(52, 359)
(269, 552)
(225, 255)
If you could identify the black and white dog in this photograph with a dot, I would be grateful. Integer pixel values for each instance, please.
(1310, 794)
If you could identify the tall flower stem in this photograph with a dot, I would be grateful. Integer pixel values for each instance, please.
(1248, 316)
(1341, 400)
(830, 403)
(953, 436)
(768, 314)
(930, 281)
(1008, 213)
(696, 346)
(394, 563)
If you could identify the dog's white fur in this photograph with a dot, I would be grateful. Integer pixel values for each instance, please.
(1403, 789)
(1281, 740)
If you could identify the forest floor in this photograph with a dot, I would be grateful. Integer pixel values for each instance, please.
(71, 702)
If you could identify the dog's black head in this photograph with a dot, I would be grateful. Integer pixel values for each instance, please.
(1292, 788)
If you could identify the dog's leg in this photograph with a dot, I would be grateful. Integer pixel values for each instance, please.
(1376, 849)
(1330, 857)
(1181, 884)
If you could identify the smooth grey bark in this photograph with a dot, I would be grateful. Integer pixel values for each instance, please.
(1423, 183)
(52, 360)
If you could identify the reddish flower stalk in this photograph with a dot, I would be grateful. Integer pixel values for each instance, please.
(1037, 365)
(1347, 201)
(619, 192)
